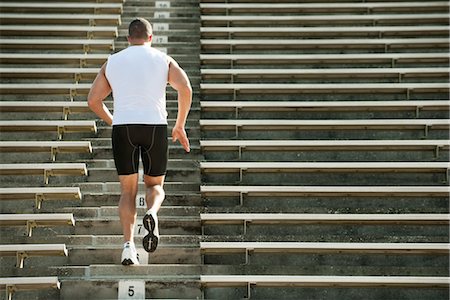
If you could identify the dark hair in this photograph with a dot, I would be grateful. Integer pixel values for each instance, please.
(139, 28)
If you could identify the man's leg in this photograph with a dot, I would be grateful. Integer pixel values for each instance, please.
(154, 197)
(127, 213)
(127, 204)
(154, 192)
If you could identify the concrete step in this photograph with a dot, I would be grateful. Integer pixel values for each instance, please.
(173, 174)
(111, 225)
(172, 164)
(103, 152)
(112, 211)
(97, 241)
(181, 198)
(114, 187)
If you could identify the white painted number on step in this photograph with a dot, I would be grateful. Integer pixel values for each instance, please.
(162, 39)
(140, 201)
(162, 4)
(131, 289)
(161, 26)
(139, 229)
(162, 15)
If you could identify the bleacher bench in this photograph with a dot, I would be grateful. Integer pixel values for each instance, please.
(46, 88)
(47, 170)
(397, 105)
(59, 44)
(284, 218)
(65, 107)
(32, 221)
(271, 218)
(277, 167)
(327, 19)
(399, 73)
(59, 127)
(250, 281)
(68, 7)
(57, 58)
(86, 31)
(386, 7)
(350, 58)
(286, 88)
(327, 191)
(73, 73)
(387, 44)
(53, 147)
(14, 284)
(60, 19)
(323, 31)
(315, 145)
(373, 124)
(22, 251)
(322, 247)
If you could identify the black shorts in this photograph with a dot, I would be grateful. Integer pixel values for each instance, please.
(150, 141)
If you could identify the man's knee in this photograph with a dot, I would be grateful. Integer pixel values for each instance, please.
(151, 181)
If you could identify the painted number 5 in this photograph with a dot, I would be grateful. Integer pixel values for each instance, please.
(131, 291)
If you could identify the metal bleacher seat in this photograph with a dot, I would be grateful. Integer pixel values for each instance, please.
(64, 107)
(280, 218)
(350, 58)
(334, 145)
(14, 284)
(329, 191)
(52, 147)
(391, 124)
(277, 106)
(386, 44)
(58, 58)
(363, 19)
(63, 18)
(22, 251)
(32, 221)
(250, 281)
(344, 167)
(54, 7)
(59, 127)
(71, 89)
(40, 194)
(396, 73)
(46, 170)
(85, 45)
(282, 248)
(364, 31)
(59, 30)
(369, 7)
(323, 87)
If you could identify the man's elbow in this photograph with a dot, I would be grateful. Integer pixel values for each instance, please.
(186, 89)
(92, 102)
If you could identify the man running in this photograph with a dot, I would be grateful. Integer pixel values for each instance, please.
(137, 76)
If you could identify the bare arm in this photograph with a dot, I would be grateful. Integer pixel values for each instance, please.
(180, 82)
(100, 89)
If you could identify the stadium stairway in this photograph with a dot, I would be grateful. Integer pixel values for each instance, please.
(319, 152)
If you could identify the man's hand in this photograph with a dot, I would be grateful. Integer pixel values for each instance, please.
(179, 134)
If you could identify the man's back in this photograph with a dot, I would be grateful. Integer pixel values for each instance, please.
(138, 78)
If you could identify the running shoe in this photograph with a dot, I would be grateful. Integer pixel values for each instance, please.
(150, 241)
(129, 255)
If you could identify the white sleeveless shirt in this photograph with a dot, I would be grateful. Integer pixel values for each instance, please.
(138, 79)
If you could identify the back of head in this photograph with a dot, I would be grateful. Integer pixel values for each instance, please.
(139, 28)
